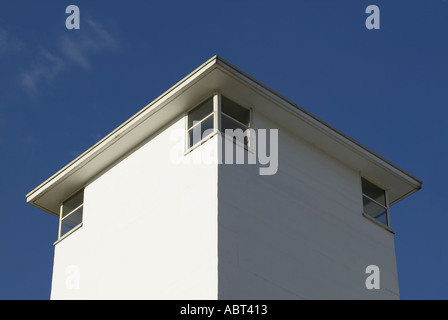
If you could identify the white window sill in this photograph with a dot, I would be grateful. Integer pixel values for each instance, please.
(378, 223)
(67, 234)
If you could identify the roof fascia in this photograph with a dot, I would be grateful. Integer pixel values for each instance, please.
(321, 125)
(120, 131)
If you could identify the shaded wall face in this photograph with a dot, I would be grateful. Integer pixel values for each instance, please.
(298, 234)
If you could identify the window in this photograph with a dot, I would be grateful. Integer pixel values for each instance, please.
(214, 115)
(71, 213)
(234, 116)
(375, 202)
(200, 121)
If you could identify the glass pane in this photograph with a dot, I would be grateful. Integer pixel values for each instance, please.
(72, 203)
(375, 210)
(197, 133)
(373, 192)
(236, 111)
(200, 112)
(382, 217)
(229, 123)
(71, 221)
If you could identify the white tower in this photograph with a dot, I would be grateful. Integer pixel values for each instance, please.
(156, 209)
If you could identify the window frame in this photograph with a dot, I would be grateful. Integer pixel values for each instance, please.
(249, 146)
(189, 148)
(61, 211)
(217, 122)
(386, 206)
(212, 114)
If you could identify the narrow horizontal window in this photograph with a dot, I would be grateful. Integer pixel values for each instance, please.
(200, 122)
(228, 123)
(235, 117)
(207, 118)
(235, 111)
(200, 130)
(73, 203)
(375, 210)
(373, 192)
(71, 213)
(200, 112)
(375, 202)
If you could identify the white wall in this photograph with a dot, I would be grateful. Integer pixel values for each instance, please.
(298, 234)
(149, 230)
(154, 230)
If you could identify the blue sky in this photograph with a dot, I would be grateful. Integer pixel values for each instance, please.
(63, 90)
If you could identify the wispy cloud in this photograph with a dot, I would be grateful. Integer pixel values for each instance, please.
(47, 67)
(80, 48)
(75, 48)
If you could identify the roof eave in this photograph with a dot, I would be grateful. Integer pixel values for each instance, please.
(120, 131)
(339, 139)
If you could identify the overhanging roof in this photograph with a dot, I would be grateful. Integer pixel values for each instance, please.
(217, 74)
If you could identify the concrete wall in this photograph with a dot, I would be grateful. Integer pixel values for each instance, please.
(149, 229)
(298, 234)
